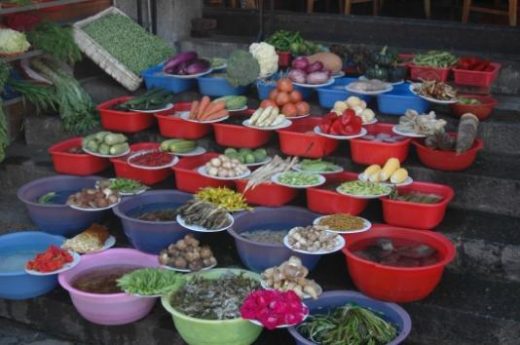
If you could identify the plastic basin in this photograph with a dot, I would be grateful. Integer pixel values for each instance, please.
(155, 78)
(264, 88)
(19, 285)
(171, 126)
(399, 100)
(187, 179)
(109, 309)
(147, 236)
(329, 95)
(213, 332)
(81, 164)
(300, 140)
(284, 59)
(218, 87)
(482, 110)
(376, 152)
(123, 121)
(326, 201)
(397, 284)
(259, 256)
(58, 219)
(238, 136)
(145, 176)
(267, 194)
(447, 160)
(333, 299)
(476, 78)
(417, 215)
(428, 73)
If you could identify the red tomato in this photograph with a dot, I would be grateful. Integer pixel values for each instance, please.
(296, 96)
(273, 94)
(285, 85)
(282, 98)
(303, 108)
(289, 110)
(268, 103)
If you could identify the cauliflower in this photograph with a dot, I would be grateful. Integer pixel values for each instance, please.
(266, 56)
(12, 41)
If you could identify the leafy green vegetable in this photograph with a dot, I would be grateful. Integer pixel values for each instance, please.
(43, 97)
(149, 281)
(126, 185)
(298, 179)
(12, 41)
(285, 41)
(56, 41)
(435, 58)
(318, 166)
(242, 68)
(364, 188)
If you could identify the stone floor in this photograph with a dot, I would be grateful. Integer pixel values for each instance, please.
(13, 333)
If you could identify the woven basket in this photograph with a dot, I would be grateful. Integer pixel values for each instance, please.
(101, 57)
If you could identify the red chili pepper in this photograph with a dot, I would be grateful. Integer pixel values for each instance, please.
(50, 260)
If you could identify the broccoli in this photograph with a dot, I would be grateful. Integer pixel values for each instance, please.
(242, 68)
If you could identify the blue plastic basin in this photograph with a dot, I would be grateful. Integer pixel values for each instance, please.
(147, 236)
(17, 285)
(333, 299)
(260, 256)
(155, 78)
(329, 95)
(218, 87)
(400, 99)
(58, 219)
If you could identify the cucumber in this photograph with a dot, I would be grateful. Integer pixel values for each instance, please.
(119, 149)
(101, 135)
(113, 139)
(104, 149)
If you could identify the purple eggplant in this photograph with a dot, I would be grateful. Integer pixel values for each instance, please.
(300, 63)
(317, 77)
(297, 76)
(197, 66)
(314, 67)
(175, 61)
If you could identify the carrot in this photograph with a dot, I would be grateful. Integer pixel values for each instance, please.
(204, 103)
(194, 109)
(217, 115)
(213, 108)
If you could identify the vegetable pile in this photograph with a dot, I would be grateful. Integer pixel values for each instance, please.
(55, 40)
(178, 145)
(151, 159)
(362, 188)
(292, 178)
(304, 72)
(435, 58)
(287, 99)
(463, 141)
(223, 197)
(342, 222)
(233, 102)
(317, 166)
(152, 99)
(266, 56)
(205, 110)
(204, 214)
(386, 66)
(424, 124)
(266, 118)
(122, 185)
(312, 239)
(287, 41)
(106, 143)
(53, 259)
(343, 125)
(187, 253)
(247, 156)
(242, 68)
(223, 166)
(149, 282)
(267, 171)
(186, 63)
(93, 198)
(358, 105)
(437, 90)
(391, 172)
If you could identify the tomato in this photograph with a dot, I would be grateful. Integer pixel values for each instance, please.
(285, 85)
(282, 98)
(51, 260)
(289, 110)
(273, 94)
(268, 103)
(296, 96)
(303, 108)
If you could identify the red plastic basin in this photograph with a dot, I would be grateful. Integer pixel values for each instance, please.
(417, 215)
(75, 164)
(328, 201)
(187, 179)
(122, 121)
(284, 59)
(267, 194)
(375, 152)
(447, 160)
(147, 177)
(300, 140)
(397, 284)
(482, 110)
(428, 73)
(171, 126)
(232, 135)
(476, 78)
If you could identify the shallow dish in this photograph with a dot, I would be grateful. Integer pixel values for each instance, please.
(321, 180)
(238, 109)
(109, 243)
(106, 156)
(198, 228)
(91, 209)
(297, 167)
(350, 89)
(190, 76)
(340, 243)
(185, 115)
(199, 150)
(203, 171)
(75, 260)
(396, 130)
(366, 227)
(187, 270)
(370, 196)
(361, 133)
(174, 161)
(257, 164)
(430, 99)
(153, 111)
(406, 182)
(285, 123)
(315, 86)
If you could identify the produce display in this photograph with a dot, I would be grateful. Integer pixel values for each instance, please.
(13, 42)
(178, 146)
(289, 100)
(204, 214)
(346, 124)
(91, 240)
(151, 159)
(383, 138)
(299, 179)
(223, 197)
(474, 64)
(102, 280)
(391, 172)
(247, 156)
(416, 197)
(435, 58)
(242, 68)
(233, 102)
(207, 111)
(312, 239)
(218, 63)
(364, 189)
(94, 198)
(342, 222)
(122, 185)
(153, 99)
(225, 167)
(317, 166)
(463, 141)
(420, 124)
(368, 86)
(468, 101)
(266, 56)
(149, 282)
(52, 259)
(304, 72)
(106, 143)
(358, 105)
(185, 64)
(55, 40)
(385, 66)
(288, 41)
(291, 275)
(269, 117)
(265, 173)
(187, 254)
(265, 236)
(436, 90)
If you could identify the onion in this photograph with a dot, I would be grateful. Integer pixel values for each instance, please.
(314, 67)
(317, 78)
(297, 76)
(300, 63)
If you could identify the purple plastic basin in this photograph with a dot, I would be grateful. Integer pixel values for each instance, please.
(109, 309)
(58, 219)
(259, 256)
(333, 299)
(151, 237)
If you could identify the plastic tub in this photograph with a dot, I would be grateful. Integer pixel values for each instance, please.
(81, 164)
(329, 95)
(417, 215)
(284, 59)
(58, 219)
(267, 194)
(155, 78)
(218, 87)
(145, 176)
(375, 152)
(259, 256)
(397, 284)
(187, 179)
(172, 126)
(482, 110)
(300, 140)
(447, 160)
(334, 299)
(327, 201)
(428, 73)
(151, 237)
(109, 309)
(123, 121)
(264, 88)
(476, 78)
(238, 136)
(18, 285)
(213, 332)
(400, 99)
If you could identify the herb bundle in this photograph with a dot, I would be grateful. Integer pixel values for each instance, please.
(149, 281)
(55, 40)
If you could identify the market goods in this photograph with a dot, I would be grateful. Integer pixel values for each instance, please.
(102, 280)
(233, 102)
(151, 159)
(149, 281)
(106, 143)
(93, 198)
(383, 138)
(342, 222)
(268, 117)
(213, 299)
(361, 188)
(345, 124)
(434, 58)
(178, 145)
(466, 135)
(218, 63)
(55, 40)
(122, 185)
(161, 215)
(312, 239)
(187, 254)
(437, 90)
(288, 41)
(317, 166)
(350, 324)
(223, 166)
(287, 99)
(266, 56)
(330, 61)
(273, 309)
(247, 156)
(223, 197)
(204, 214)
(291, 276)
(404, 253)
(13, 42)
(373, 85)
(291, 178)
(54, 198)
(358, 56)
(267, 171)
(385, 66)
(152, 99)
(416, 197)
(90, 240)
(358, 105)
(391, 172)
(306, 72)
(468, 101)
(128, 42)
(242, 68)
(421, 124)
(265, 236)
(474, 64)
(52, 259)
(205, 110)
(186, 63)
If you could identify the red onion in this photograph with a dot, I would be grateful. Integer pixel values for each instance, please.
(300, 63)
(297, 76)
(316, 66)
(317, 77)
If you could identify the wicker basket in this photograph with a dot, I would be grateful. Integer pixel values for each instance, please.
(101, 57)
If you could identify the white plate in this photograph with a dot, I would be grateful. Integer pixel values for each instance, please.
(396, 130)
(198, 228)
(366, 227)
(369, 93)
(338, 75)
(257, 164)
(361, 133)
(167, 107)
(356, 196)
(395, 83)
(190, 76)
(265, 286)
(109, 243)
(186, 270)
(238, 110)
(137, 192)
(340, 243)
(219, 67)
(174, 161)
(406, 182)
(258, 323)
(75, 260)
(315, 86)
(202, 170)
(285, 123)
(186, 114)
(374, 120)
(106, 156)
(321, 180)
(298, 117)
(95, 209)
(297, 167)
(430, 99)
(199, 150)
